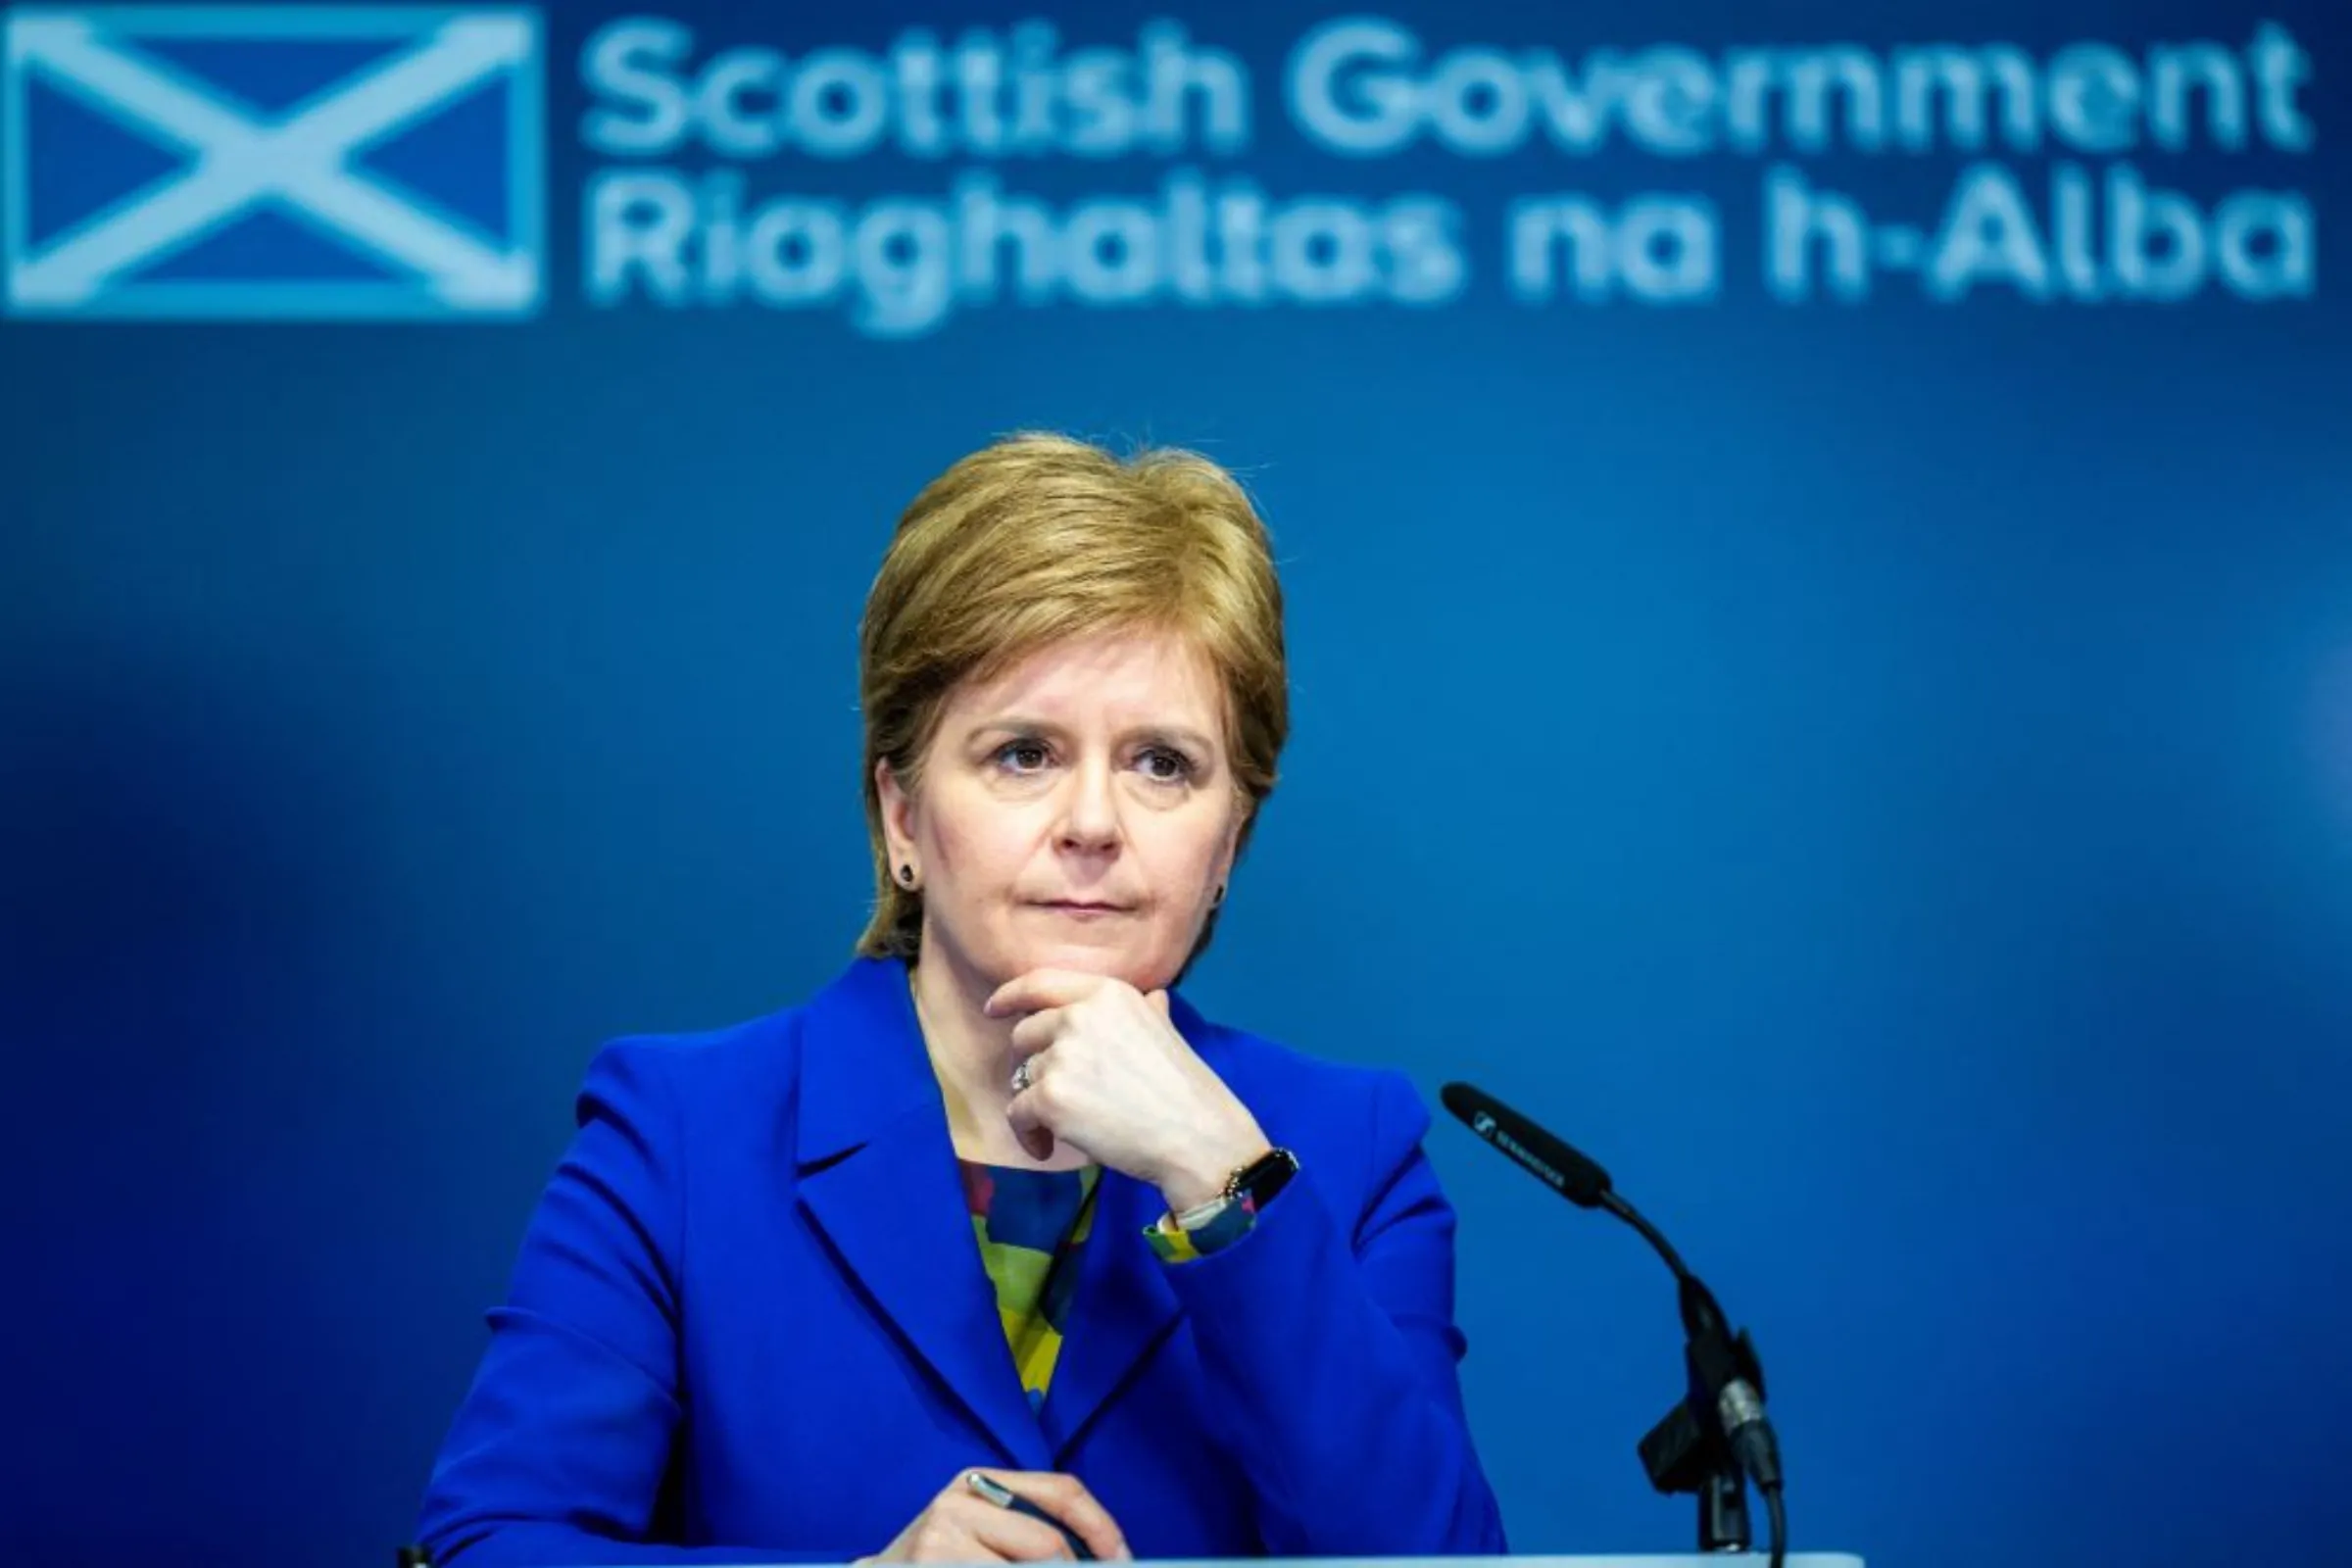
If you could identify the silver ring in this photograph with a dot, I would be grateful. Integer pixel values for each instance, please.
(1021, 1076)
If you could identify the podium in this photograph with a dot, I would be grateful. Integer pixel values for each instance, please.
(1717, 1559)
(1720, 1559)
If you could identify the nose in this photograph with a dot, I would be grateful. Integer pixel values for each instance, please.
(1091, 809)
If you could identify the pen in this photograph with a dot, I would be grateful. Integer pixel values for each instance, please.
(1003, 1496)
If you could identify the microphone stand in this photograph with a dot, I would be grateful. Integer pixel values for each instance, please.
(1689, 1449)
(1717, 1439)
(1686, 1452)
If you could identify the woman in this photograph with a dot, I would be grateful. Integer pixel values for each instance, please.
(997, 1249)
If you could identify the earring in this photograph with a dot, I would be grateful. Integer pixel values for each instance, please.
(906, 876)
(1220, 898)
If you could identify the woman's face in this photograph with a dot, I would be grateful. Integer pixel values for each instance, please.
(1076, 812)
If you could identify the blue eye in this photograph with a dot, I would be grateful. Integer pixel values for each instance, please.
(1160, 765)
(1178, 766)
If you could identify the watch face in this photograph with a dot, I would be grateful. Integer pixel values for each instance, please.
(1261, 1179)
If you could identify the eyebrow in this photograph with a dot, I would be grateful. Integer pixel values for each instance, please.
(1180, 734)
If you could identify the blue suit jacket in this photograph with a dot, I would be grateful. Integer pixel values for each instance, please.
(749, 1321)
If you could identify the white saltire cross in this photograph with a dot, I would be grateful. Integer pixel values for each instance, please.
(304, 159)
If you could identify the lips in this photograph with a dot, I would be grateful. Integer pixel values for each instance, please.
(1082, 907)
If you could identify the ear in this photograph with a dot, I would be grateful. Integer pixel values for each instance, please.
(1233, 843)
(898, 813)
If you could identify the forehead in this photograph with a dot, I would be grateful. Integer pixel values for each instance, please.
(1130, 676)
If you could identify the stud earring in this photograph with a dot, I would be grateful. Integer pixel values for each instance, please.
(906, 876)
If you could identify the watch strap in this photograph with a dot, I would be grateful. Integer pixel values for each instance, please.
(1229, 1216)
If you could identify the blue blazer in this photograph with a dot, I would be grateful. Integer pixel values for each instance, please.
(749, 1322)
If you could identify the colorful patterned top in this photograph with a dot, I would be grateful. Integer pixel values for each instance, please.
(1032, 1225)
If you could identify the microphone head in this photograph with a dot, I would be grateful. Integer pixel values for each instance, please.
(1549, 1158)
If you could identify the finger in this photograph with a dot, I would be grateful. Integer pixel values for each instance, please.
(1026, 1114)
(938, 1534)
(1039, 1030)
(945, 1540)
(1010, 1536)
(1042, 988)
(941, 1537)
(1066, 1498)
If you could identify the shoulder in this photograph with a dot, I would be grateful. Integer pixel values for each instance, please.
(1244, 1057)
(1353, 1117)
(740, 1065)
(851, 1050)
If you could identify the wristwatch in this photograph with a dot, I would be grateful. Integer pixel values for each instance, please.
(1227, 1217)
(1256, 1183)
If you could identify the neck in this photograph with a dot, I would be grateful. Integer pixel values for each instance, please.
(972, 1057)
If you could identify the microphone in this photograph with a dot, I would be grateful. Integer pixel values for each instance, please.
(1726, 1378)
(1552, 1161)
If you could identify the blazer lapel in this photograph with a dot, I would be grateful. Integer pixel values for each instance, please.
(1122, 1312)
(878, 1177)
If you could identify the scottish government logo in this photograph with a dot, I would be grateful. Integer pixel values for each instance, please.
(257, 162)
(389, 160)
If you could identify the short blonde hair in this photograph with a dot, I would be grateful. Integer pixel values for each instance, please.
(1036, 539)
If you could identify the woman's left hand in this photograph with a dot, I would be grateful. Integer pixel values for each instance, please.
(1108, 1071)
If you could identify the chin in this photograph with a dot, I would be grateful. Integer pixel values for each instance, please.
(1117, 961)
(1085, 956)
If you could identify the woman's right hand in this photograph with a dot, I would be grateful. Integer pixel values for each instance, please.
(959, 1525)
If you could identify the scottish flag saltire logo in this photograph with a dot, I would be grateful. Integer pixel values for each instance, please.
(286, 161)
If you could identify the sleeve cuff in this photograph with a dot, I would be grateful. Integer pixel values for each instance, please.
(1193, 1235)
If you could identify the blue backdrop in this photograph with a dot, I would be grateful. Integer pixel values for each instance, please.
(1828, 554)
